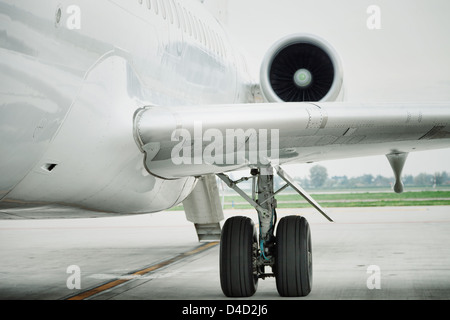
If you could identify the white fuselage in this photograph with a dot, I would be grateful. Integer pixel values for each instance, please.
(73, 73)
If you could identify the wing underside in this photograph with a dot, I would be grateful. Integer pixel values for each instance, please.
(198, 140)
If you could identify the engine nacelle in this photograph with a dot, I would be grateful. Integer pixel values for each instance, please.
(301, 67)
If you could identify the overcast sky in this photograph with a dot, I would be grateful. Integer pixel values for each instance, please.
(408, 59)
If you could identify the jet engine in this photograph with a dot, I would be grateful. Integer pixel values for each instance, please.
(301, 67)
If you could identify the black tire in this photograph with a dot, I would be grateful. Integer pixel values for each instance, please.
(293, 261)
(238, 247)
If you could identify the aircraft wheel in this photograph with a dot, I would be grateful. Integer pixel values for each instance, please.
(238, 252)
(293, 263)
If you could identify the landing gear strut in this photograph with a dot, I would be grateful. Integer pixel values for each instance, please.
(244, 256)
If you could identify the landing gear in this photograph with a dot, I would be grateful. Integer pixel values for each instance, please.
(244, 256)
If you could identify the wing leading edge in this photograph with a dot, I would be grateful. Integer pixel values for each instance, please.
(198, 140)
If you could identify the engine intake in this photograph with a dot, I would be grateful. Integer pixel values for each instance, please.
(301, 68)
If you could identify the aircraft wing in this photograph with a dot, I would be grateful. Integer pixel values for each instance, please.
(198, 140)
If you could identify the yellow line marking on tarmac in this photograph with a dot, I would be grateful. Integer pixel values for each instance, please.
(117, 282)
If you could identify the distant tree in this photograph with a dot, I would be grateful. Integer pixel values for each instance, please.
(440, 178)
(366, 179)
(337, 182)
(408, 180)
(381, 181)
(424, 179)
(318, 175)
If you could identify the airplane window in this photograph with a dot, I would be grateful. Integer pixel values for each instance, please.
(149, 4)
(163, 9)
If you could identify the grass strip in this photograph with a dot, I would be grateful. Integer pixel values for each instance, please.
(357, 199)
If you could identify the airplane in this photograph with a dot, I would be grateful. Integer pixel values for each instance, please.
(134, 106)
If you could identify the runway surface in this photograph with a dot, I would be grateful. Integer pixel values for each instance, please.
(368, 253)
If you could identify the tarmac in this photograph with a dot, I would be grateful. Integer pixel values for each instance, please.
(381, 253)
